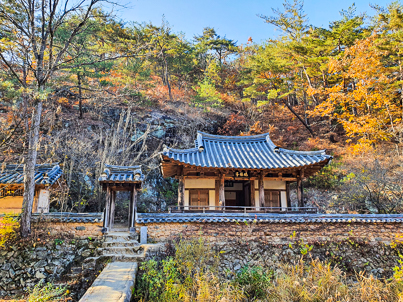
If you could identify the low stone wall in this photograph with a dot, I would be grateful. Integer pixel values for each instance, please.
(56, 251)
(274, 232)
(352, 245)
(76, 229)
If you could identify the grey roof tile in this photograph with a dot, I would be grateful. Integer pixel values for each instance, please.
(122, 174)
(243, 152)
(14, 174)
(268, 218)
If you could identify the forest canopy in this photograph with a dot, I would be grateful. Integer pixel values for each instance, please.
(81, 87)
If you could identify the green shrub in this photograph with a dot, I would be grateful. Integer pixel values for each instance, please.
(190, 275)
(48, 292)
(254, 281)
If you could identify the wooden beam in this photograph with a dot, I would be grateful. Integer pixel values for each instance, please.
(222, 190)
(261, 190)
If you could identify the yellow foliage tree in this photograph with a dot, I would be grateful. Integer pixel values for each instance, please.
(364, 99)
(8, 227)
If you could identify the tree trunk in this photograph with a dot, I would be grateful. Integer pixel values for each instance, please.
(29, 172)
(167, 78)
(299, 118)
(80, 96)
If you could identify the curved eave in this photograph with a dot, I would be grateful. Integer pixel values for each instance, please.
(322, 163)
(119, 182)
(257, 137)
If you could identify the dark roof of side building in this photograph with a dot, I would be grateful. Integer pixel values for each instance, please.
(243, 152)
(14, 174)
(121, 174)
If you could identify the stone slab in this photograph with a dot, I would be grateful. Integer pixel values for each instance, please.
(143, 235)
(114, 284)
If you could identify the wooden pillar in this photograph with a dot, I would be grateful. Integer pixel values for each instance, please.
(107, 207)
(133, 208)
(130, 213)
(261, 190)
(221, 190)
(217, 193)
(299, 192)
(112, 210)
(300, 189)
(287, 193)
(181, 192)
(252, 193)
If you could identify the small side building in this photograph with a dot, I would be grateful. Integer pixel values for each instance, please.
(12, 187)
(247, 173)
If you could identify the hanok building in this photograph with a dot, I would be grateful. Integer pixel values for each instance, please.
(12, 187)
(247, 173)
(116, 179)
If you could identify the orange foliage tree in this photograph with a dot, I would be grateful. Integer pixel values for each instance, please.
(364, 99)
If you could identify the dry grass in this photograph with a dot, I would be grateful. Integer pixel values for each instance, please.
(317, 281)
(192, 274)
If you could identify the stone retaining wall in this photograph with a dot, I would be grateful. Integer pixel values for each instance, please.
(49, 255)
(76, 229)
(277, 233)
(352, 246)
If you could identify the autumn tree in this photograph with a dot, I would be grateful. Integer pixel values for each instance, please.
(30, 50)
(364, 99)
(169, 51)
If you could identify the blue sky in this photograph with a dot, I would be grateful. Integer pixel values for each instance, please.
(234, 19)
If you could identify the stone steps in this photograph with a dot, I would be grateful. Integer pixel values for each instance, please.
(122, 250)
(108, 244)
(124, 257)
(120, 237)
(120, 229)
(115, 283)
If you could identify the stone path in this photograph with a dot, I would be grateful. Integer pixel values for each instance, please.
(115, 283)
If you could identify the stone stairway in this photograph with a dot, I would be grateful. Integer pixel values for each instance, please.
(116, 282)
(122, 247)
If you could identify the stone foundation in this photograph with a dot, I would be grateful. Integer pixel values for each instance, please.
(351, 246)
(76, 229)
(274, 233)
(55, 251)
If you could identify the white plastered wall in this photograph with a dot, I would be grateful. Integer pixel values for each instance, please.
(186, 201)
(200, 183)
(43, 201)
(11, 204)
(211, 198)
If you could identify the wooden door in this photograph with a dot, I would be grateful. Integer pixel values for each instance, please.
(272, 199)
(199, 198)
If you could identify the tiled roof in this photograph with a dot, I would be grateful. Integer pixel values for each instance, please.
(267, 218)
(243, 152)
(68, 217)
(14, 174)
(121, 174)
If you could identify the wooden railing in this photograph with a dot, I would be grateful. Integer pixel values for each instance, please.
(241, 209)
